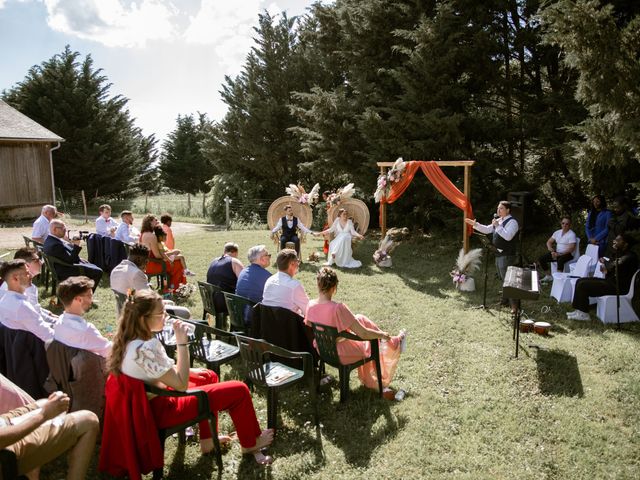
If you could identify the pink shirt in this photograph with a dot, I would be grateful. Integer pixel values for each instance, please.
(12, 396)
(339, 316)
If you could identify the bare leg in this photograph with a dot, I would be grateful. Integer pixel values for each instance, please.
(264, 440)
(80, 455)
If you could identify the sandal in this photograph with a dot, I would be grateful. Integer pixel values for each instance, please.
(263, 441)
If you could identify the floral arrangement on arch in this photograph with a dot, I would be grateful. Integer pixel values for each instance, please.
(466, 264)
(386, 181)
(298, 192)
(336, 197)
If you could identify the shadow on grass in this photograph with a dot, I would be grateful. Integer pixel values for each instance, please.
(558, 374)
(362, 413)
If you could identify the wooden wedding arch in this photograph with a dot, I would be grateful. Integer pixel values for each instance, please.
(442, 184)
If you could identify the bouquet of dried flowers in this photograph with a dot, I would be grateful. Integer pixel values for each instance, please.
(298, 192)
(184, 291)
(386, 181)
(466, 264)
(382, 256)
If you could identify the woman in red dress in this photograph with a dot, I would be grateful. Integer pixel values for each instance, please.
(175, 270)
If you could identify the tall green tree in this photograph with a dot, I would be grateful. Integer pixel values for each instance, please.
(68, 95)
(601, 43)
(183, 166)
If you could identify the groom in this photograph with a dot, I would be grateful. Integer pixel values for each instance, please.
(289, 225)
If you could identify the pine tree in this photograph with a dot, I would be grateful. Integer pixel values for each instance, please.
(71, 98)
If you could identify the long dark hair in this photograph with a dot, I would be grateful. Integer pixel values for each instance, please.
(593, 213)
(132, 325)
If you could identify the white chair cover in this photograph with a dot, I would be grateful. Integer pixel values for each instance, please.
(606, 308)
(564, 284)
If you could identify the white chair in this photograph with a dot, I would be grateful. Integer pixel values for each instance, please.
(606, 308)
(567, 265)
(564, 284)
(592, 250)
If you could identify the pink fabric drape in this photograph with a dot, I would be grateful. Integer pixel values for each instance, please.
(439, 180)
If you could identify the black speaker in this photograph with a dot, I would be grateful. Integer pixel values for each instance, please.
(521, 204)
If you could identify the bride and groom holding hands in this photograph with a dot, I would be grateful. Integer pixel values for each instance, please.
(340, 251)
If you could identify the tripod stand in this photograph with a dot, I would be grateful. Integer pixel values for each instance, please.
(487, 247)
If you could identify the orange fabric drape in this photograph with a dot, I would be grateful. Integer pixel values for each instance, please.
(439, 180)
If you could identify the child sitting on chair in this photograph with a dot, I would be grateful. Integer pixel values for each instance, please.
(173, 254)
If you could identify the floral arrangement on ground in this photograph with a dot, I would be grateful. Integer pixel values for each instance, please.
(466, 264)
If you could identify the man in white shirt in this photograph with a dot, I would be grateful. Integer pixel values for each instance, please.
(561, 247)
(281, 289)
(105, 225)
(16, 312)
(129, 275)
(41, 225)
(34, 265)
(76, 294)
(289, 224)
(126, 232)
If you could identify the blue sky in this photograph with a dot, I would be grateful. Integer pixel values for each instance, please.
(168, 57)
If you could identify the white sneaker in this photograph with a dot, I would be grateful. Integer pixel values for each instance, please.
(546, 279)
(403, 340)
(189, 273)
(582, 316)
(570, 315)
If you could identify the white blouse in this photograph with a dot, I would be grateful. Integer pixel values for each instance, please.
(146, 360)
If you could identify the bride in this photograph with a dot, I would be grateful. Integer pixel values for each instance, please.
(340, 247)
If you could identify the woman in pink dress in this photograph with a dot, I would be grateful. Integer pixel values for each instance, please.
(324, 311)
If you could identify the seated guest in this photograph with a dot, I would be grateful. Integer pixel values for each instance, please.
(105, 225)
(174, 269)
(253, 277)
(139, 354)
(324, 311)
(627, 265)
(16, 312)
(561, 246)
(34, 266)
(166, 220)
(622, 220)
(44, 434)
(41, 225)
(73, 330)
(174, 254)
(223, 272)
(129, 275)
(12, 395)
(126, 232)
(597, 226)
(281, 289)
(68, 252)
(289, 225)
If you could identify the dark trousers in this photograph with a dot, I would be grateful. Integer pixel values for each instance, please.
(545, 259)
(591, 287)
(293, 238)
(93, 272)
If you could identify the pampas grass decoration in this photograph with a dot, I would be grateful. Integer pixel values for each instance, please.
(469, 262)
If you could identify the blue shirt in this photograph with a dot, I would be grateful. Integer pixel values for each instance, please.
(251, 282)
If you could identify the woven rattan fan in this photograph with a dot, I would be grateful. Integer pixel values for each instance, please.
(357, 211)
(300, 210)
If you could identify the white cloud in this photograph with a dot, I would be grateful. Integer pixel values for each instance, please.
(113, 23)
(228, 26)
(2, 2)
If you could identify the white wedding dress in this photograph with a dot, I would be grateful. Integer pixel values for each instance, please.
(340, 251)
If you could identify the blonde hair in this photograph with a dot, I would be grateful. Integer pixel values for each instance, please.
(132, 325)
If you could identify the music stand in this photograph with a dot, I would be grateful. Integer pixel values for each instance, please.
(487, 247)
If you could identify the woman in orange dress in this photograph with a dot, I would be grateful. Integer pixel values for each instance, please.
(324, 311)
(175, 270)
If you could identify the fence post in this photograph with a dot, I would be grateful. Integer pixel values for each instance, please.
(146, 197)
(84, 205)
(188, 204)
(204, 205)
(227, 201)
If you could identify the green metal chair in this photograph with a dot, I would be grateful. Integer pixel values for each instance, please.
(326, 340)
(206, 294)
(212, 346)
(51, 262)
(237, 305)
(264, 372)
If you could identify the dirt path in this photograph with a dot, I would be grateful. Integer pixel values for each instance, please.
(11, 237)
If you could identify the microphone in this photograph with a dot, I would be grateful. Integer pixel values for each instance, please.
(496, 216)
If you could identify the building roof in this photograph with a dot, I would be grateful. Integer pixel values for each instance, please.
(14, 126)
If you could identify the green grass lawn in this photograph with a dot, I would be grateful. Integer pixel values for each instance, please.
(568, 408)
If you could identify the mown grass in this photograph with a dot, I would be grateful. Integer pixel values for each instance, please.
(567, 408)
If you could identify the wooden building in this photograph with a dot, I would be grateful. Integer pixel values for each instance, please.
(26, 165)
